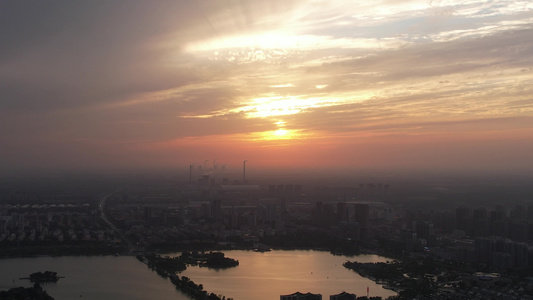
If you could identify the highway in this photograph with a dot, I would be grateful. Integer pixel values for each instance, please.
(101, 208)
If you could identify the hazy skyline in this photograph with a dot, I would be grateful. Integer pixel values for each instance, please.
(443, 85)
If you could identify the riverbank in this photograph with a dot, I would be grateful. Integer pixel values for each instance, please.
(86, 249)
(33, 293)
(168, 267)
(423, 277)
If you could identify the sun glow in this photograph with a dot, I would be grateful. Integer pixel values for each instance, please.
(283, 105)
(261, 40)
(281, 42)
(279, 134)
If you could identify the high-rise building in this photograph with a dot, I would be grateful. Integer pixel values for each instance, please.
(424, 230)
(463, 219)
(342, 213)
(480, 222)
(362, 214)
(216, 209)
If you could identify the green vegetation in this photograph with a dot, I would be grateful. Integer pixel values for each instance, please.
(53, 249)
(21, 293)
(216, 260)
(409, 276)
(42, 277)
(164, 265)
(315, 239)
(194, 290)
(170, 266)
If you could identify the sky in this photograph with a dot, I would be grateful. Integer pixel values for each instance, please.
(391, 84)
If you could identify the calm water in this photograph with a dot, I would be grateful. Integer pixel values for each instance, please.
(266, 276)
(260, 276)
(92, 277)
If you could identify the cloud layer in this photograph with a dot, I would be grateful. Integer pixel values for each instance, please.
(392, 84)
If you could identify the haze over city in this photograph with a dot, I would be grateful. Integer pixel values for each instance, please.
(387, 85)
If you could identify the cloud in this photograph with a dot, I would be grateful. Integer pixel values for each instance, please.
(94, 79)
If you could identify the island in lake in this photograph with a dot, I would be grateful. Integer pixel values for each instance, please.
(170, 266)
(43, 277)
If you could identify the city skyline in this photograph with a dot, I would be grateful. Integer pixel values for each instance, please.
(399, 85)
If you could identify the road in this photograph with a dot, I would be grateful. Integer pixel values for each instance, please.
(101, 208)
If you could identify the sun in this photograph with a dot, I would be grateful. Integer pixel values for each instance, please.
(281, 133)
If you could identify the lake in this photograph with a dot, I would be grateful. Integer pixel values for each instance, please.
(261, 276)
(91, 277)
(267, 275)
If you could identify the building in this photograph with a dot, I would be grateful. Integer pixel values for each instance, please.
(300, 296)
(362, 214)
(343, 296)
(343, 215)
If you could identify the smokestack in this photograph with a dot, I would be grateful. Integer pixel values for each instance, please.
(244, 172)
(190, 174)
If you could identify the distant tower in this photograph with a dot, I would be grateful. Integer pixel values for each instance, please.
(244, 172)
(216, 209)
(362, 213)
(342, 212)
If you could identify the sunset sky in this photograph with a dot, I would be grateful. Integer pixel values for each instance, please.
(392, 84)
